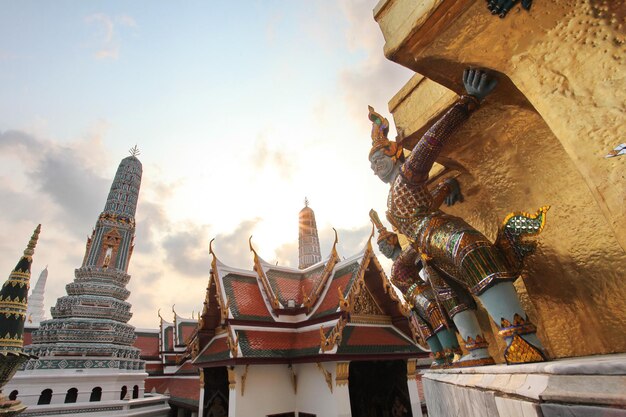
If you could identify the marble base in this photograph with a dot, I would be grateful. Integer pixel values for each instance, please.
(588, 386)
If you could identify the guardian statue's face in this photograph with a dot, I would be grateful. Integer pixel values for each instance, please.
(386, 248)
(382, 165)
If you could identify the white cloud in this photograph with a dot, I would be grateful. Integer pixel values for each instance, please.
(107, 38)
(374, 79)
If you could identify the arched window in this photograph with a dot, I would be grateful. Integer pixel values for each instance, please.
(124, 392)
(45, 397)
(96, 394)
(13, 395)
(71, 395)
(136, 391)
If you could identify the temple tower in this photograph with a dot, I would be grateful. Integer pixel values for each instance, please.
(308, 240)
(13, 303)
(35, 313)
(89, 326)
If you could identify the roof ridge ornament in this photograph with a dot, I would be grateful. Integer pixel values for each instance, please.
(273, 298)
(211, 248)
(251, 247)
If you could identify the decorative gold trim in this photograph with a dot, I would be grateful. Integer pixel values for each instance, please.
(161, 341)
(479, 343)
(342, 373)
(471, 362)
(520, 325)
(201, 378)
(13, 342)
(369, 319)
(232, 377)
(243, 379)
(294, 379)
(17, 301)
(520, 351)
(344, 304)
(233, 345)
(334, 338)
(223, 306)
(193, 345)
(365, 303)
(411, 368)
(327, 376)
(261, 274)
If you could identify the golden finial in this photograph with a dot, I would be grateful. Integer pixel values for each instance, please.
(30, 248)
(250, 243)
(211, 247)
(134, 151)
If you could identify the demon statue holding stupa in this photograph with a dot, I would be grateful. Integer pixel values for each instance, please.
(454, 254)
(434, 303)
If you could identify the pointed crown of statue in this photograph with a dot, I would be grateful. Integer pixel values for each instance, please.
(380, 129)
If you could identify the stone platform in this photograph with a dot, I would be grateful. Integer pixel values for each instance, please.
(592, 386)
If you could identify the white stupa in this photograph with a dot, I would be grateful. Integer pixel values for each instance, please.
(35, 313)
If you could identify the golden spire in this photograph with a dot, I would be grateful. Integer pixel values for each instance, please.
(30, 248)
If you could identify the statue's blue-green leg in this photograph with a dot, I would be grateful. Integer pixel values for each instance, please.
(475, 342)
(502, 304)
(436, 349)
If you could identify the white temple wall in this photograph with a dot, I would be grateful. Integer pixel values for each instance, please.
(414, 396)
(267, 390)
(314, 395)
(30, 385)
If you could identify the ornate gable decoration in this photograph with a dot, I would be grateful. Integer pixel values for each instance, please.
(365, 304)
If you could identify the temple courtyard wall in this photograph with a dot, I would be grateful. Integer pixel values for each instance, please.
(581, 387)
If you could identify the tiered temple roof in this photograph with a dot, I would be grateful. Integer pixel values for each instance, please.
(333, 310)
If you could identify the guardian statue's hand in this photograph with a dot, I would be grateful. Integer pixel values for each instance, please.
(455, 192)
(478, 82)
(502, 7)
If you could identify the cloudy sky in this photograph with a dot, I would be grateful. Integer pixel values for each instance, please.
(240, 110)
